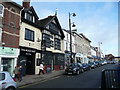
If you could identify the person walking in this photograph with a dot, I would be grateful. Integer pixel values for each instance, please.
(41, 68)
(21, 74)
(16, 72)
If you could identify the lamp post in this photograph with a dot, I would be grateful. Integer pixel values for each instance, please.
(73, 14)
(99, 49)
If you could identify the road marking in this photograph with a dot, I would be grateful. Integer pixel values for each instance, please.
(34, 83)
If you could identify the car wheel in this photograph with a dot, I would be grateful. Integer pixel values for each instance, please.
(90, 68)
(82, 70)
(10, 88)
(78, 72)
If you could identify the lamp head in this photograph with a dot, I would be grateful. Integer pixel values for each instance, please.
(74, 14)
(73, 25)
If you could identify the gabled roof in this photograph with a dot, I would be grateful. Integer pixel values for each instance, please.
(31, 9)
(44, 22)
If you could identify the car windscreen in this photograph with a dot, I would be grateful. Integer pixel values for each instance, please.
(84, 64)
(2, 76)
(71, 65)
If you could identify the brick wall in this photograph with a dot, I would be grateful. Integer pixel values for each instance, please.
(10, 40)
(11, 27)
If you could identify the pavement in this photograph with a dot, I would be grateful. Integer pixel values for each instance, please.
(30, 79)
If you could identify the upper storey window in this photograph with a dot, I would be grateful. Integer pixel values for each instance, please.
(1, 10)
(30, 17)
(53, 27)
(29, 35)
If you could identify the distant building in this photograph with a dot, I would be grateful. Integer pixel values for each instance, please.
(109, 57)
(67, 46)
(78, 47)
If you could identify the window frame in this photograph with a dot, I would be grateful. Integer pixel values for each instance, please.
(29, 35)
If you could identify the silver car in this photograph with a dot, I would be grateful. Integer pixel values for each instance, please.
(7, 82)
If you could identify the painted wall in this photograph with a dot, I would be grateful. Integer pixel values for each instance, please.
(30, 44)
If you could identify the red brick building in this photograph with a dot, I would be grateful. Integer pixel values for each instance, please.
(11, 24)
(9, 35)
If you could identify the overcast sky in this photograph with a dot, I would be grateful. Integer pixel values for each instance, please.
(96, 20)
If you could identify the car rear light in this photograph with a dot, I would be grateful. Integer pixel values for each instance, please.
(14, 79)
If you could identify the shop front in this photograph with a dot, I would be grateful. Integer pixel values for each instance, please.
(59, 61)
(27, 60)
(68, 57)
(8, 59)
(79, 58)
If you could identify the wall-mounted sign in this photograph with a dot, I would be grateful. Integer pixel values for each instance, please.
(28, 50)
(8, 51)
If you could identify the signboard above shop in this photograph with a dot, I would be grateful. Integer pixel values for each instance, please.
(9, 51)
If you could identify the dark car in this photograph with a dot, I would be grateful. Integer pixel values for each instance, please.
(74, 68)
(92, 64)
(97, 63)
(86, 66)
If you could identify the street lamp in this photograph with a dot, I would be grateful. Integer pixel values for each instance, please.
(73, 25)
(99, 49)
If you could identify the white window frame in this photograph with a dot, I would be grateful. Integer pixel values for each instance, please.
(2, 10)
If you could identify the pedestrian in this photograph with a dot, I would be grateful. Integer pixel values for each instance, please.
(16, 72)
(21, 73)
(41, 68)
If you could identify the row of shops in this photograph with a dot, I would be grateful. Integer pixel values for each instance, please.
(29, 59)
(79, 57)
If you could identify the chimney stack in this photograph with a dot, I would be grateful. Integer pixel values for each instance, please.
(26, 3)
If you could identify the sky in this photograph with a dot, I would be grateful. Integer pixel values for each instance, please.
(97, 20)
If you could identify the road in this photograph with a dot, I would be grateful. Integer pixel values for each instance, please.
(88, 79)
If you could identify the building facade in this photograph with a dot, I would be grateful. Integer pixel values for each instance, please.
(86, 49)
(9, 35)
(67, 46)
(78, 47)
(52, 43)
(30, 41)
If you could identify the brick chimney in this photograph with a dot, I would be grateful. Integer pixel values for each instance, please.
(26, 3)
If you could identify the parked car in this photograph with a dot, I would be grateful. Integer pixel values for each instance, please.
(86, 66)
(92, 65)
(7, 82)
(104, 62)
(74, 68)
(97, 63)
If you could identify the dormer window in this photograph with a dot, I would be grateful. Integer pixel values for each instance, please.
(29, 17)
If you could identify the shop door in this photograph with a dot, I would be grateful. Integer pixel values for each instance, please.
(30, 64)
(22, 61)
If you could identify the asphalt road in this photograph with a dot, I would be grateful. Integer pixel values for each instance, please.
(88, 79)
